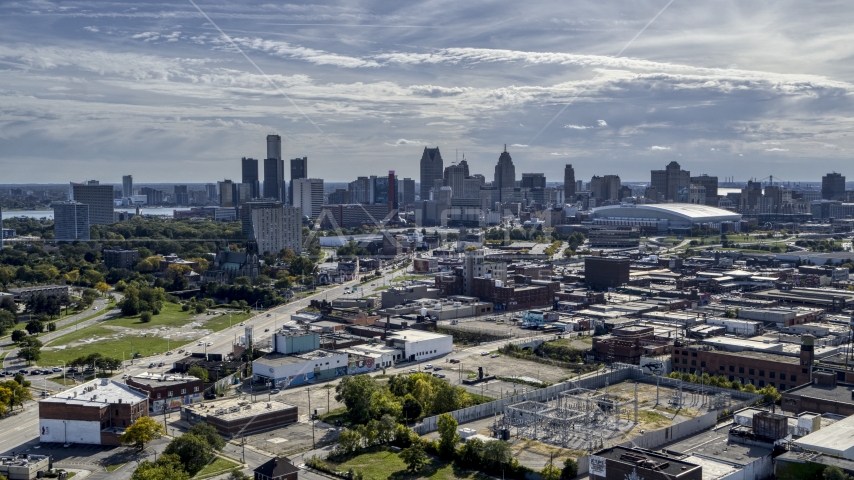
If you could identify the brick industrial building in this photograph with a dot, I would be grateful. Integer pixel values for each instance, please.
(823, 395)
(759, 368)
(95, 412)
(169, 391)
(606, 272)
(621, 463)
(628, 344)
(233, 418)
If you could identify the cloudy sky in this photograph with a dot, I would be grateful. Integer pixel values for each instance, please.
(730, 88)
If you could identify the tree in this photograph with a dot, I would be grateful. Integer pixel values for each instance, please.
(51, 327)
(210, 435)
(835, 473)
(200, 308)
(18, 335)
(550, 472)
(349, 441)
(448, 438)
(34, 327)
(243, 281)
(167, 467)
(102, 287)
(20, 392)
(356, 393)
(30, 354)
(470, 453)
(496, 455)
(238, 475)
(142, 431)
(414, 457)
(198, 372)
(145, 317)
(570, 469)
(194, 451)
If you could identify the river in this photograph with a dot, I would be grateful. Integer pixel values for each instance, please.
(159, 211)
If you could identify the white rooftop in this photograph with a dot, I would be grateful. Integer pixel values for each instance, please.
(416, 335)
(836, 439)
(98, 392)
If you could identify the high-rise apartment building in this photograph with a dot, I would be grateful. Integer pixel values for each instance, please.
(299, 169)
(211, 192)
(226, 193)
(274, 179)
(182, 197)
(360, 190)
(833, 186)
(534, 180)
(152, 195)
(275, 226)
(431, 170)
(249, 175)
(505, 175)
(308, 196)
(127, 186)
(667, 182)
(569, 184)
(392, 193)
(98, 197)
(70, 221)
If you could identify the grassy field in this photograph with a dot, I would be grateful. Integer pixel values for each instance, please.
(145, 345)
(387, 464)
(221, 322)
(218, 466)
(109, 307)
(170, 316)
(66, 381)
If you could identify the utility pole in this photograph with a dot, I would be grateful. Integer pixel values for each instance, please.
(310, 418)
(327, 400)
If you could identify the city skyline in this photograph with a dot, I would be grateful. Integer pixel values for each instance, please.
(105, 89)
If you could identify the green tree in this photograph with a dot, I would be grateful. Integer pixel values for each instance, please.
(18, 335)
(167, 467)
(198, 372)
(414, 457)
(243, 281)
(34, 327)
(470, 453)
(30, 354)
(142, 431)
(349, 441)
(145, 317)
(200, 308)
(550, 472)
(238, 475)
(193, 450)
(210, 435)
(496, 455)
(448, 437)
(19, 393)
(570, 469)
(356, 393)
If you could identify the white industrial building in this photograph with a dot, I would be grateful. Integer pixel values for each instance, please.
(739, 327)
(419, 345)
(287, 370)
(836, 439)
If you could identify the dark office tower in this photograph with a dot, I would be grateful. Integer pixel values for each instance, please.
(182, 197)
(568, 184)
(833, 186)
(534, 180)
(431, 170)
(274, 147)
(454, 177)
(299, 169)
(392, 193)
(505, 174)
(407, 191)
(274, 179)
(98, 197)
(249, 169)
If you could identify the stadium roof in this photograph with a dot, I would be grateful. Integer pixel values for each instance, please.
(688, 212)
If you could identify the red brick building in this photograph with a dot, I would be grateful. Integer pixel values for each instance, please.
(538, 293)
(628, 344)
(823, 395)
(168, 391)
(96, 412)
(759, 368)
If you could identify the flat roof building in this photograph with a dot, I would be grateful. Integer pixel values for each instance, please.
(235, 417)
(665, 216)
(24, 467)
(836, 439)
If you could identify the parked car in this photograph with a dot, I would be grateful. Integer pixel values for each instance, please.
(428, 366)
(200, 344)
(56, 369)
(412, 370)
(160, 364)
(440, 375)
(275, 391)
(484, 353)
(210, 344)
(436, 369)
(266, 329)
(151, 365)
(35, 372)
(454, 360)
(23, 371)
(242, 324)
(268, 314)
(168, 353)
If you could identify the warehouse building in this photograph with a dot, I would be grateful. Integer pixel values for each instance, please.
(234, 417)
(419, 345)
(24, 467)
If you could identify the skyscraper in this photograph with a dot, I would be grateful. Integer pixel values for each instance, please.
(505, 174)
(392, 193)
(308, 196)
(274, 146)
(182, 198)
(668, 181)
(454, 176)
(249, 170)
(431, 170)
(833, 186)
(569, 184)
(211, 192)
(275, 226)
(360, 190)
(274, 179)
(70, 221)
(98, 197)
(299, 169)
(226, 193)
(407, 191)
(533, 180)
(127, 186)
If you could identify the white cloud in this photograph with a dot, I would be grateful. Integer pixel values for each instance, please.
(775, 149)
(92, 29)
(403, 141)
(518, 145)
(287, 50)
(657, 147)
(602, 123)
(576, 127)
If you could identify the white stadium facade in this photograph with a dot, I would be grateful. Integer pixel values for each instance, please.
(664, 217)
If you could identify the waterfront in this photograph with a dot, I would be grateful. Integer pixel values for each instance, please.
(159, 211)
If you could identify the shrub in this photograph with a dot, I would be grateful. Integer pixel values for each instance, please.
(145, 317)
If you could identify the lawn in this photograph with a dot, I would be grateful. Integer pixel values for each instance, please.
(218, 466)
(221, 322)
(170, 316)
(387, 464)
(113, 468)
(63, 380)
(145, 345)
